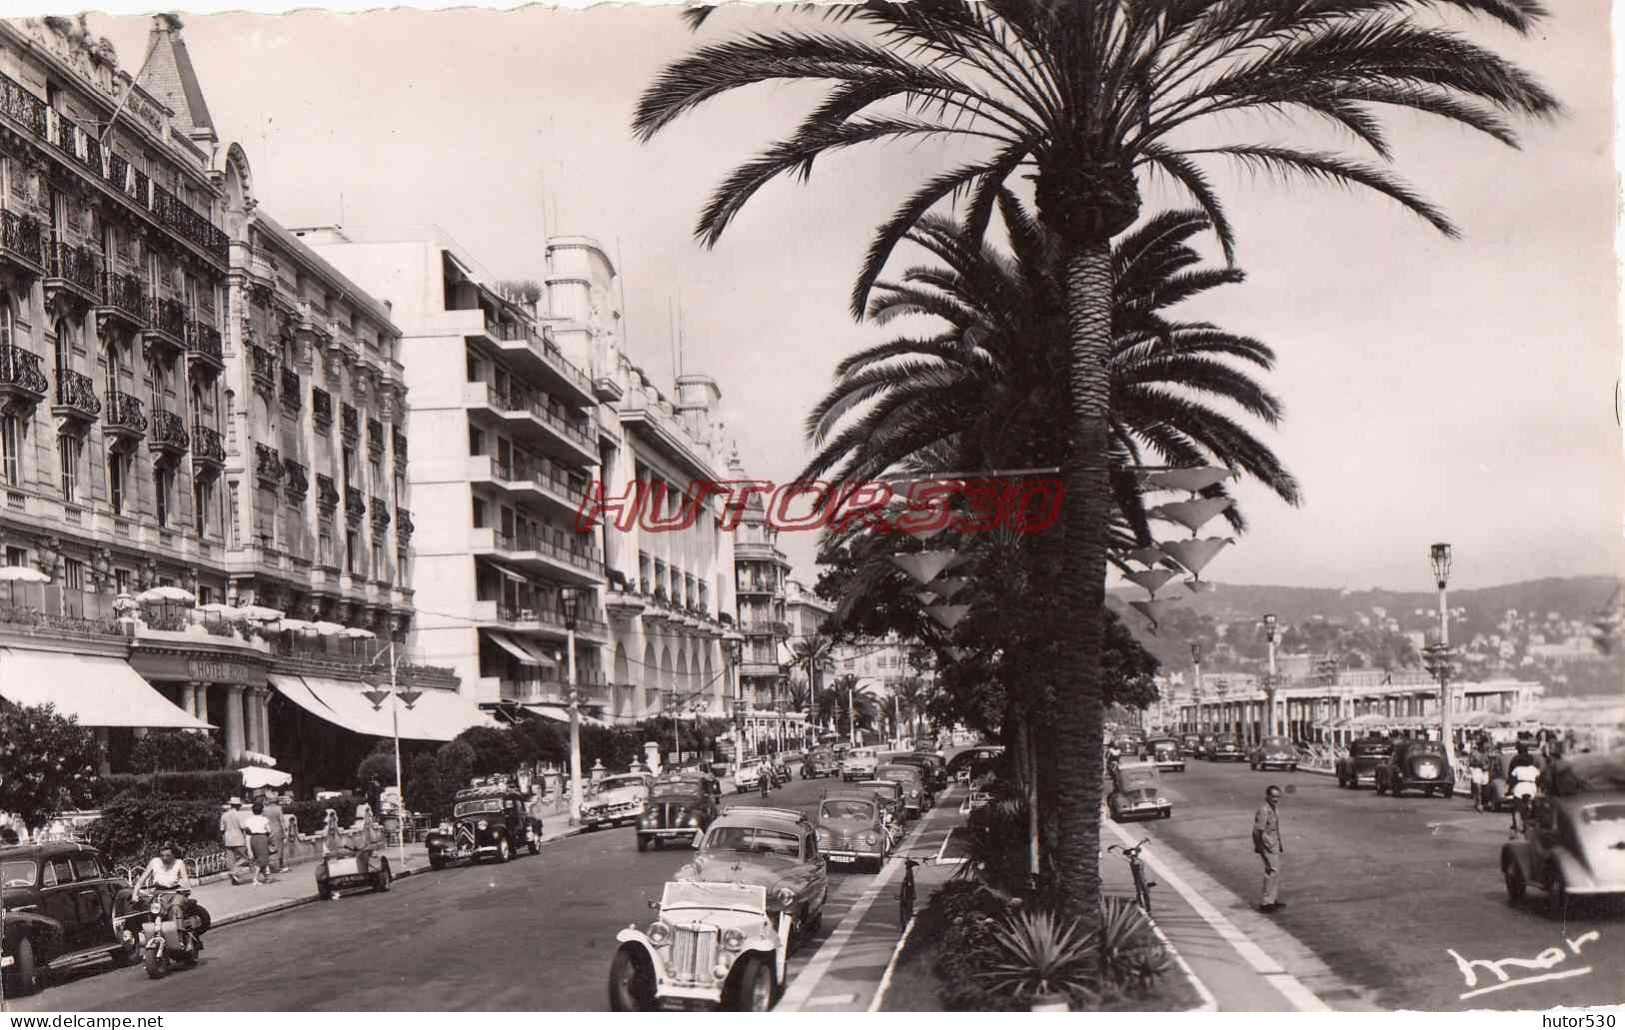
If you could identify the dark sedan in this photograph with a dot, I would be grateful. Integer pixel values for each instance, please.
(1359, 766)
(1419, 765)
(1227, 749)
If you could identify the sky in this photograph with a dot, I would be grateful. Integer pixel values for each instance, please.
(1434, 389)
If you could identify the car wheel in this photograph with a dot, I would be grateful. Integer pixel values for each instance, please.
(1292, 768)
(754, 992)
(324, 892)
(1395, 789)
(631, 980)
(1516, 887)
(436, 862)
(504, 849)
(22, 978)
(1448, 792)
(643, 843)
(1557, 894)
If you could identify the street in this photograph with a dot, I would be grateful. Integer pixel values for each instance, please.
(535, 934)
(1387, 892)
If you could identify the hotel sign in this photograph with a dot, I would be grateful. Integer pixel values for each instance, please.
(213, 670)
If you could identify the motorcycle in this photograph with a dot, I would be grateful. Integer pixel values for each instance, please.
(170, 930)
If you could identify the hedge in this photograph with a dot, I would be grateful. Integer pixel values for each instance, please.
(134, 826)
(217, 785)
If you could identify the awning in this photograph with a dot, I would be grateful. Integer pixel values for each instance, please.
(100, 691)
(514, 649)
(504, 570)
(540, 656)
(302, 694)
(438, 715)
(555, 713)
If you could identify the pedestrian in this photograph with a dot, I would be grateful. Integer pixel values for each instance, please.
(279, 832)
(1478, 769)
(1267, 843)
(1523, 773)
(257, 829)
(233, 839)
(375, 797)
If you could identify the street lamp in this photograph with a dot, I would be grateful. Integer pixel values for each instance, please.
(408, 697)
(572, 609)
(1439, 558)
(736, 650)
(1196, 661)
(1270, 624)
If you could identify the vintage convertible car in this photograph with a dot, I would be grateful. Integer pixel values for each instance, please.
(773, 848)
(852, 829)
(487, 822)
(680, 808)
(1274, 753)
(350, 869)
(616, 800)
(819, 763)
(1165, 754)
(60, 900)
(916, 793)
(1574, 842)
(859, 764)
(1359, 766)
(1417, 765)
(1226, 748)
(1137, 792)
(713, 945)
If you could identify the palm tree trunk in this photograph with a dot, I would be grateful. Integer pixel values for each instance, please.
(1082, 589)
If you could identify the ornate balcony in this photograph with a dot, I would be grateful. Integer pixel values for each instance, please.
(355, 505)
(350, 425)
(296, 482)
(167, 325)
(623, 604)
(380, 515)
(22, 383)
(204, 347)
(403, 524)
(398, 438)
(268, 468)
(76, 398)
(124, 422)
(23, 107)
(124, 300)
(321, 409)
(293, 391)
(262, 366)
(375, 439)
(208, 451)
(169, 439)
(22, 244)
(327, 495)
(174, 215)
(75, 270)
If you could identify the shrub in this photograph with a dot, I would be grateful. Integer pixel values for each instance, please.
(176, 751)
(134, 826)
(494, 750)
(456, 761)
(377, 766)
(216, 786)
(426, 789)
(1036, 953)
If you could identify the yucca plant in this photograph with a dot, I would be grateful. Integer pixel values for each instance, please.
(1128, 952)
(1035, 953)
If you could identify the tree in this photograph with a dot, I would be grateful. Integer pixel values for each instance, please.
(813, 655)
(1082, 97)
(426, 787)
(456, 763)
(376, 766)
(48, 762)
(527, 290)
(176, 751)
(495, 751)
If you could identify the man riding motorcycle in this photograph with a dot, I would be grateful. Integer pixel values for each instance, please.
(164, 876)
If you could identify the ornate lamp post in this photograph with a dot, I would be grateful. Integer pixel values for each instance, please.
(736, 650)
(1270, 685)
(1439, 558)
(408, 697)
(572, 610)
(1196, 663)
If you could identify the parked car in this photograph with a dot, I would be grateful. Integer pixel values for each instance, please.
(1572, 843)
(936, 776)
(890, 795)
(772, 848)
(60, 900)
(486, 822)
(1137, 792)
(712, 945)
(1204, 747)
(916, 793)
(1359, 766)
(974, 762)
(1274, 753)
(1165, 754)
(1190, 745)
(1417, 765)
(852, 829)
(616, 801)
(820, 763)
(1227, 749)
(351, 869)
(679, 808)
(859, 764)
(750, 773)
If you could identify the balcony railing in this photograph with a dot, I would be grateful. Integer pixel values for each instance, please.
(77, 266)
(355, 502)
(403, 523)
(185, 222)
(169, 434)
(375, 439)
(327, 495)
(126, 295)
(398, 439)
(588, 559)
(321, 408)
(380, 514)
(350, 424)
(203, 341)
(21, 240)
(169, 318)
(268, 464)
(76, 395)
(543, 348)
(293, 391)
(524, 400)
(263, 367)
(208, 444)
(20, 373)
(124, 414)
(23, 107)
(295, 481)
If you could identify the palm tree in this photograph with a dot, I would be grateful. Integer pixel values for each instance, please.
(1082, 96)
(913, 695)
(812, 654)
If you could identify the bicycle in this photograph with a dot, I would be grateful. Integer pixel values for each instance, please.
(1142, 886)
(906, 895)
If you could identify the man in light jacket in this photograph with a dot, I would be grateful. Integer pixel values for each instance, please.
(279, 842)
(233, 839)
(1267, 842)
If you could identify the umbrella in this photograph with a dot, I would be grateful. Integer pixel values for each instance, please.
(255, 777)
(259, 613)
(14, 574)
(295, 625)
(359, 634)
(175, 594)
(327, 629)
(224, 612)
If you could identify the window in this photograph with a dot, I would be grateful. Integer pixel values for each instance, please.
(67, 448)
(201, 492)
(62, 364)
(164, 486)
(479, 513)
(473, 369)
(379, 569)
(349, 466)
(324, 543)
(73, 573)
(351, 546)
(118, 480)
(121, 581)
(205, 595)
(16, 557)
(476, 441)
(11, 450)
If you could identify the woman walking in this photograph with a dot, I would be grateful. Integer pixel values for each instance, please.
(258, 830)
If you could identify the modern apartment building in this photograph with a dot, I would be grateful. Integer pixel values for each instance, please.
(761, 578)
(156, 428)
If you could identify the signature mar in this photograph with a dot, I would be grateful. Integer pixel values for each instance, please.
(1498, 968)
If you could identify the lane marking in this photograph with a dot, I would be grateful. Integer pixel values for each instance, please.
(1301, 997)
(798, 993)
(1209, 1002)
(834, 999)
(891, 966)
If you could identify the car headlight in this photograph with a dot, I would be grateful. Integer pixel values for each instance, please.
(659, 933)
(156, 908)
(786, 896)
(647, 819)
(1161, 800)
(482, 824)
(824, 838)
(733, 940)
(868, 840)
